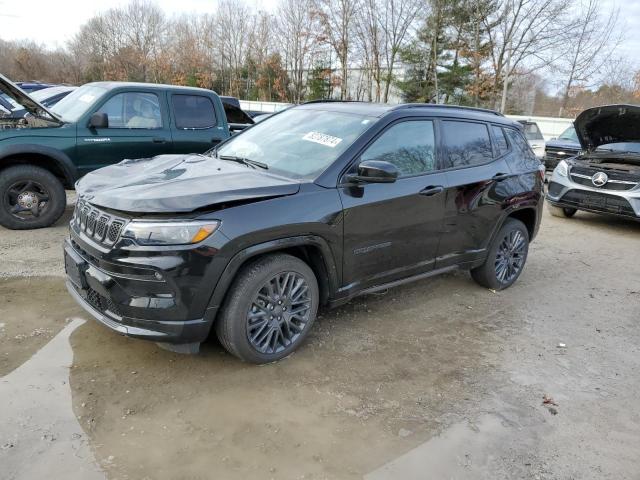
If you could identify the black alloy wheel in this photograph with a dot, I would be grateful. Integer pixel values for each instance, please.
(279, 313)
(510, 256)
(506, 256)
(269, 309)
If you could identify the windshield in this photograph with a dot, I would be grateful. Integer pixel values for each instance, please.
(74, 105)
(569, 134)
(299, 142)
(632, 147)
(532, 132)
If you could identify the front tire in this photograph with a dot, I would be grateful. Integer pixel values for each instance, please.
(563, 212)
(269, 309)
(506, 258)
(30, 197)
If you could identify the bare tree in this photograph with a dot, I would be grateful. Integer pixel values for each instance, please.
(336, 18)
(523, 37)
(397, 18)
(297, 32)
(587, 47)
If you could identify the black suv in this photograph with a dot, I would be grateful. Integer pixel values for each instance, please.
(313, 206)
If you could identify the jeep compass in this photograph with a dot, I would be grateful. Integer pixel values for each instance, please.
(309, 208)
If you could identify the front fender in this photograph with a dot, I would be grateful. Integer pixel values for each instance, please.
(60, 159)
(243, 256)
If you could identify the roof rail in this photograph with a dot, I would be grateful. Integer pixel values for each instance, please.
(453, 107)
(330, 100)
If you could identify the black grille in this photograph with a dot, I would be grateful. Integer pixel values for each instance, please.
(101, 303)
(100, 226)
(560, 153)
(598, 201)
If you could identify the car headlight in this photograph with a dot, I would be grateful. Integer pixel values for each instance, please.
(562, 169)
(169, 232)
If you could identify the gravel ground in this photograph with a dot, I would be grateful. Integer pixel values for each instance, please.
(437, 379)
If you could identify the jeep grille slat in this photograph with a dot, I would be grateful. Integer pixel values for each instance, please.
(102, 227)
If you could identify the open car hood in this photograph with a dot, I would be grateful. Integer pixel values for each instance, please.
(608, 124)
(32, 106)
(179, 183)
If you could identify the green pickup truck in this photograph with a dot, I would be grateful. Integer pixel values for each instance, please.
(96, 125)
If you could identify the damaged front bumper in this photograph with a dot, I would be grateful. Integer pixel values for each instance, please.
(620, 198)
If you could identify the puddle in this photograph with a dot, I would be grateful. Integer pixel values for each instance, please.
(40, 435)
(463, 451)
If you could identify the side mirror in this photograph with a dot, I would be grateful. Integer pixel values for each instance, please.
(374, 171)
(99, 120)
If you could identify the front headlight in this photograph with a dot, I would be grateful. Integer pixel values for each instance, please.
(562, 169)
(169, 232)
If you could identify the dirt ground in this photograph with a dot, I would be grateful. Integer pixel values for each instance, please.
(437, 379)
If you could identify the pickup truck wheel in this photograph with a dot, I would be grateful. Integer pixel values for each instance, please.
(506, 258)
(31, 197)
(269, 309)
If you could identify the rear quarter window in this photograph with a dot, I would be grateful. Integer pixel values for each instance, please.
(193, 111)
(466, 143)
(524, 156)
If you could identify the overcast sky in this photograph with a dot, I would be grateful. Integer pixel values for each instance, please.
(55, 22)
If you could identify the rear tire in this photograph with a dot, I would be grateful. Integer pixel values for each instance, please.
(506, 258)
(563, 212)
(269, 309)
(30, 197)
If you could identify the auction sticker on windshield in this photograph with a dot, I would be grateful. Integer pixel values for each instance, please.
(322, 139)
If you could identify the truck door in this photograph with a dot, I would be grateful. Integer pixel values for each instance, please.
(197, 126)
(138, 128)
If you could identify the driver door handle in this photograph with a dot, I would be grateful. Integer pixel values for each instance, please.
(159, 140)
(431, 190)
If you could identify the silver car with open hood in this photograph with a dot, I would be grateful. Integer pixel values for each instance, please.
(605, 176)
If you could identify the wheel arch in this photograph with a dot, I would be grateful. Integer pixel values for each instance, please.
(51, 159)
(312, 249)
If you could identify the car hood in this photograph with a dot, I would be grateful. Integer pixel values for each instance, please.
(30, 105)
(179, 183)
(608, 124)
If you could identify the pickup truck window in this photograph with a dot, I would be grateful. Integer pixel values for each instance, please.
(193, 111)
(133, 110)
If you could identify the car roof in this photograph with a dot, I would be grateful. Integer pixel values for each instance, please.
(431, 109)
(158, 86)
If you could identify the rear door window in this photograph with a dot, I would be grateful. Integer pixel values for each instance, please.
(193, 111)
(465, 144)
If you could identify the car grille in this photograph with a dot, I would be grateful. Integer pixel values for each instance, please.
(598, 201)
(558, 154)
(100, 226)
(102, 303)
(617, 180)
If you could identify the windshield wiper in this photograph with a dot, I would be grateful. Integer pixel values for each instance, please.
(245, 161)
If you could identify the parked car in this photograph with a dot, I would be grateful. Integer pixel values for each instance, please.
(561, 148)
(318, 204)
(605, 177)
(32, 86)
(47, 97)
(534, 137)
(96, 125)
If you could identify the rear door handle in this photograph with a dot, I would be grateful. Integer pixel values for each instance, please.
(500, 176)
(431, 190)
(159, 140)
